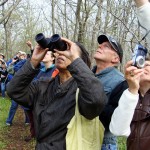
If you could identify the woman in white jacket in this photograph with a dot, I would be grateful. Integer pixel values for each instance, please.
(132, 118)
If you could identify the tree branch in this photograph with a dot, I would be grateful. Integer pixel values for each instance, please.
(10, 11)
(120, 21)
(2, 3)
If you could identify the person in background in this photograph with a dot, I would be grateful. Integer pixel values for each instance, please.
(22, 59)
(10, 63)
(53, 100)
(29, 44)
(14, 66)
(47, 71)
(3, 76)
(2, 56)
(49, 65)
(15, 59)
(108, 56)
(132, 117)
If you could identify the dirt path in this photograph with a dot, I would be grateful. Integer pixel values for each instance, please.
(16, 134)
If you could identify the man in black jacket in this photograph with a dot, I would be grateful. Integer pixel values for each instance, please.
(108, 56)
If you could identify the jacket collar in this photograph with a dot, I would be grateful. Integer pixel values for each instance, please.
(43, 69)
(62, 88)
(104, 71)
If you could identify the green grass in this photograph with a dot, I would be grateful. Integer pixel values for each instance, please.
(13, 136)
(4, 107)
(122, 143)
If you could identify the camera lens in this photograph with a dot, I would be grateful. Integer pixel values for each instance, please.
(16, 57)
(140, 61)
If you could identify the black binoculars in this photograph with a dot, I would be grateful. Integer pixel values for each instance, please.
(52, 43)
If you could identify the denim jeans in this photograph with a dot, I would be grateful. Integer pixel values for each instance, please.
(109, 141)
(109, 147)
(12, 112)
(3, 87)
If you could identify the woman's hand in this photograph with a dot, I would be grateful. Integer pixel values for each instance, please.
(38, 55)
(132, 75)
(72, 52)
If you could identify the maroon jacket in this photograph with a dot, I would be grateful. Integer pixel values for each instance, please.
(139, 138)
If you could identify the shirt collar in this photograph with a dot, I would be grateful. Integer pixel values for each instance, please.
(44, 68)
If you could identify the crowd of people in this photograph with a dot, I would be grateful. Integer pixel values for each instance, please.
(45, 86)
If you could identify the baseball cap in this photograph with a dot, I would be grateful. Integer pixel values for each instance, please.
(22, 53)
(114, 43)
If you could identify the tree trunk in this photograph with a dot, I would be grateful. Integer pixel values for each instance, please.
(53, 18)
(78, 9)
(9, 11)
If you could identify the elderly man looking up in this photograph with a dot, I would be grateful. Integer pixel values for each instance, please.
(108, 56)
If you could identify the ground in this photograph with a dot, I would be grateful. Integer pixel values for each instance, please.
(13, 137)
(16, 134)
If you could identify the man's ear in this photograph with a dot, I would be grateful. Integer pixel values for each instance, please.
(115, 59)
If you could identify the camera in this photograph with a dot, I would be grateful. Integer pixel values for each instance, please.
(52, 43)
(139, 56)
(16, 57)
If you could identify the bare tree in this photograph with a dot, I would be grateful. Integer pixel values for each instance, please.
(53, 19)
(80, 20)
(3, 2)
(96, 27)
(9, 11)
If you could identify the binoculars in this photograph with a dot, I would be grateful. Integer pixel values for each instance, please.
(52, 43)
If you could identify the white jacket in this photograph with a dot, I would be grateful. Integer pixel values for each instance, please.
(123, 114)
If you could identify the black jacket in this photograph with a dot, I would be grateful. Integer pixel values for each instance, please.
(54, 104)
(112, 104)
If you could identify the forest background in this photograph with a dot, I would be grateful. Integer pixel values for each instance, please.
(78, 20)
